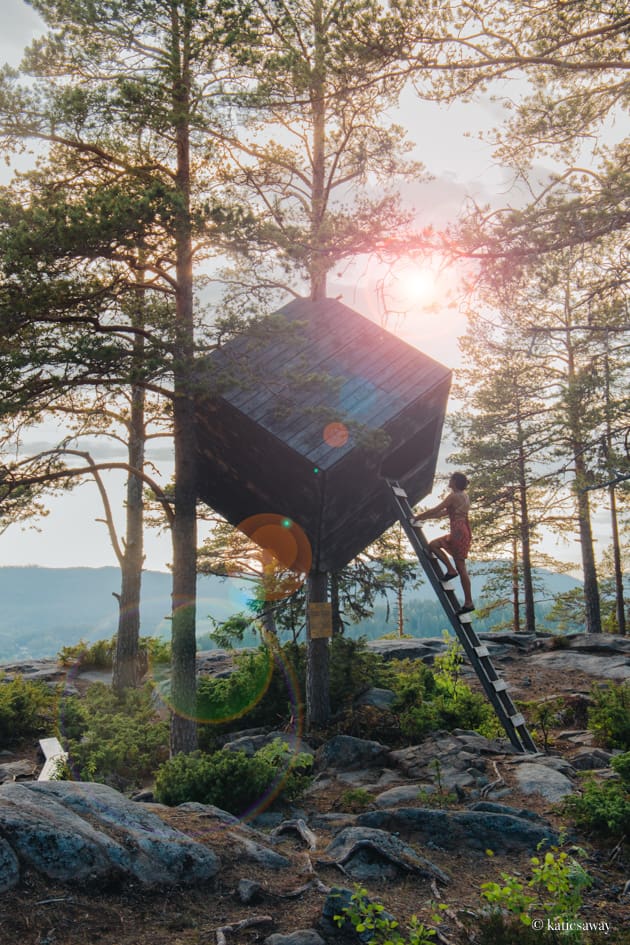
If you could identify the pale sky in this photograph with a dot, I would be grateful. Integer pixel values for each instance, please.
(462, 166)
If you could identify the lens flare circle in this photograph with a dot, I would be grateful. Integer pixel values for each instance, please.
(285, 554)
(336, 434)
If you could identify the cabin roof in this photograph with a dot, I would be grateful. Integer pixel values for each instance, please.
(331, 364)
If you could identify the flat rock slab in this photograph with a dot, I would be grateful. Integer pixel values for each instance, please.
(598, 643)
(72, 831)
(417, 649)
(605, 667)
(456, 830)
(543, 780)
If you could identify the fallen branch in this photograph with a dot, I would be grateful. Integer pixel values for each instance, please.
(299, 826)
(500, 782)
(243, 924)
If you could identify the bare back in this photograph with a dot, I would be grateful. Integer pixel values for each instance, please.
(457, 505)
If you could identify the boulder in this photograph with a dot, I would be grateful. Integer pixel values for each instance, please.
(591, 759)
(301, 937)
(9, 867)
(16, 770)
(379, 698)
(404, 793)
(450, 762)
(72, 831)
(368, 852)
(458, 829)
(346, 753)
(249, 891)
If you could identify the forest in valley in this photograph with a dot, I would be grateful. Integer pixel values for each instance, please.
(182, 168)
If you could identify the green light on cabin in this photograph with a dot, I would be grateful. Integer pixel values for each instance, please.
(315, 469)
(286, 523)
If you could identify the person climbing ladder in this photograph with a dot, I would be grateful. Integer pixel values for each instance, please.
(457, 543)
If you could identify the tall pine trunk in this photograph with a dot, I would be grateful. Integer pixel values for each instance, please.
(620, 603)
(127, 670)
(525, 527)
(592, 611)
(184, 644)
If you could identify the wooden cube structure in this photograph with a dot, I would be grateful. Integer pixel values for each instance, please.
(305, 416)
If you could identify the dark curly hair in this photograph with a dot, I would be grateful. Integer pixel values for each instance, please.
(460, 481)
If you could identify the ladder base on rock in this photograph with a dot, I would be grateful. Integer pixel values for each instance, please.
(494, 687)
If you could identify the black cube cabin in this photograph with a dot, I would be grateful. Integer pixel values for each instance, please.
(310, 413)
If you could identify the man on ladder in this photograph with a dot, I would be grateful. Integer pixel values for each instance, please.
(457, 543)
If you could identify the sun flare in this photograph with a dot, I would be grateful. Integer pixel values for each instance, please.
(416, 285)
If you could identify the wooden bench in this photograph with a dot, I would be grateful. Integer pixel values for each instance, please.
(53, 755)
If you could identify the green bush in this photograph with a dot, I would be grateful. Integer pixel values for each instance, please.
(230, 779)
(116, 741)
(100, 655)
(621, 764)
(554, 890)
(602, 809)
(428, 700)
(355, 800)
(353, 669)
(26, 710)
(609, 716)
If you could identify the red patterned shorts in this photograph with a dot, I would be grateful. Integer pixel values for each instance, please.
(458, 542)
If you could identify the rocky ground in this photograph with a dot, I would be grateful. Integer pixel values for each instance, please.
(81, 864)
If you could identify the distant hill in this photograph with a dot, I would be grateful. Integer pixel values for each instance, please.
(44, 609)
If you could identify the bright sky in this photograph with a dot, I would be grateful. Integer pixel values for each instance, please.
(461, 166)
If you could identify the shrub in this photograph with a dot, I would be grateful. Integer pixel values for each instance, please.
(430, 700)
(26, 710)
(554, 889)
(609, 717)
(369, 918)
(100, 655)
(353, 669)
(116, 741)
(355, 800)
(602, 809)
(230, 779)
(621, 764)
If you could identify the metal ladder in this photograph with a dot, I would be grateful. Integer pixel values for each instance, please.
(478, 655)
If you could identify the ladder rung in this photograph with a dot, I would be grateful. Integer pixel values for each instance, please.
(482, 650)
(517, 719)
(465, 618)
(398, 490)
(499, 685)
